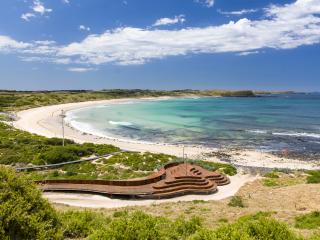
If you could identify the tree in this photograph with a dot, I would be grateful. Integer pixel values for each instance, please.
(24, 214)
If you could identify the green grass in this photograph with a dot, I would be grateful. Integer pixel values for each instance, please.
(280, 179)
(271, 175)
(20, 147)
(236, 201)
(314, 176)
(213, 166)
(14, 101)
(308, 221)
(121, 166)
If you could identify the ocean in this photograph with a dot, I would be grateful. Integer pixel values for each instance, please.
(274, 122)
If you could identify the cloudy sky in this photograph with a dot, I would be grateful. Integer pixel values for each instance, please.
(160, 44)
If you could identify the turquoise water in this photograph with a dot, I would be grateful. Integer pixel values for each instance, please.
(273, 122)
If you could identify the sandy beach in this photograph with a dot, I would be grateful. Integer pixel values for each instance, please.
(46, 121)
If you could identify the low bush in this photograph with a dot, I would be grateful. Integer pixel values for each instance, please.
(139, 225)
(314, 176)
(80, 224)
(308, 221)
(214, 166)
(236, 201)
(252, 227)
(24, 214)
(271, 175)
(17, 146)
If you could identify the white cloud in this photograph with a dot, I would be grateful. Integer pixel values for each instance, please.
(84, 28)
(239, 12)
(282, 27)
(39, 7)
(8, 44)
(207, 3)
(170, 21)
(80, 69)
(27, 16)
(247, 53)
(66, 1)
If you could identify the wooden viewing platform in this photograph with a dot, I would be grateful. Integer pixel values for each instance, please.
(173, 180)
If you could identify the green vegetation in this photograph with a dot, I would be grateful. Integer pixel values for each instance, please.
(20, 148)
(13, 100)
(252, 227)
(308, 221)
(214, 166)
(122, 166)
(281, 179)
(4, 117)
(17, 146)
(236, 201)
(81, 224)
(24, 214)
(271, 175)
(314, 176)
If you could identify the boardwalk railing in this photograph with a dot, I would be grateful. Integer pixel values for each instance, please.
(46, 166)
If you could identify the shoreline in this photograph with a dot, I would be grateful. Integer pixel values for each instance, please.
(46, 121)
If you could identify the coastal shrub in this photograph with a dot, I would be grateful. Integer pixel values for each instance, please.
(139, 225)
(80, 224)
(258, 226)
(255, 227)
(271, 175)
(24, 214)
(270, 182)
(18, 146)
(315, 236)
(58, 154)
(133, 226)
(140, 161)
(14, 100)
(314, 176)
(213, 166)
(308, 221)
(236, 201)
(57, 141)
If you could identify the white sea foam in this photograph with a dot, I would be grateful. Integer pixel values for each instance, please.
(257, 131)
(289, 134)
(89, 129)
(297, 134)
(121, 123)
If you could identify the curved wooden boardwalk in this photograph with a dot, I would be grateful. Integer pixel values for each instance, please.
(173, 180)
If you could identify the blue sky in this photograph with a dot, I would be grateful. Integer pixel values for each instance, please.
(160, 44)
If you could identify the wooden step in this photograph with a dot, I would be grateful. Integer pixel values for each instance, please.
(164, 185)
(185, 187)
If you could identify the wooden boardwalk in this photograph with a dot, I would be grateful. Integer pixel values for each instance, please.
(173, 180)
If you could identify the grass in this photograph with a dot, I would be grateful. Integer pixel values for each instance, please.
(20, 148)
(139, 225)
(308, 221)
(213, 166)
(14, 101)
(280, 179)
(121, 166)
(236, 201)
(314, 176)
(271, 175)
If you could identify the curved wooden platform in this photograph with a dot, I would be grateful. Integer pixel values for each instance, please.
(173, 180)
